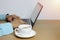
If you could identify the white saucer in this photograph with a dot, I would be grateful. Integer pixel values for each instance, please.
(28, 35)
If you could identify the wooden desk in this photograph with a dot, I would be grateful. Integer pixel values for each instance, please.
(46, 30)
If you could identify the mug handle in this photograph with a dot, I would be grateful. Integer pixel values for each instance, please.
(17, 29)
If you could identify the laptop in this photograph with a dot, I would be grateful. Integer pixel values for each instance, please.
(32, 20)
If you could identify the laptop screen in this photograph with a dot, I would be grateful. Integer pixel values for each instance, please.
(36, 13)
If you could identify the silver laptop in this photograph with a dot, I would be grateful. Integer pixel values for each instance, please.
(34, 14)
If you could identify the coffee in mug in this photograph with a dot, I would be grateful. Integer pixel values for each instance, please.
(24, 28)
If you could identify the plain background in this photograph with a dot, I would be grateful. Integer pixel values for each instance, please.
(24, 8)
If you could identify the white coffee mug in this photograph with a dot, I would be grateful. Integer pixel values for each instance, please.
(24, 28)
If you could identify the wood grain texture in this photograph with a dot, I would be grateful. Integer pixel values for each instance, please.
(46, 30)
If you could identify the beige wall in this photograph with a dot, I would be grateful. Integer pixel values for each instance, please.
(24, 8)
(51, 9)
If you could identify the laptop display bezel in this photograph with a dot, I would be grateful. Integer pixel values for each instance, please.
(32, 23)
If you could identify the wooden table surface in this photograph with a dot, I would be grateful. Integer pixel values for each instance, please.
(45, 29)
